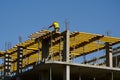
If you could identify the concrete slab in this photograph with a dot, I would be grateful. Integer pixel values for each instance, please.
(87, 72)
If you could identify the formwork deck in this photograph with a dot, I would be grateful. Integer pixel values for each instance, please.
(81, 43)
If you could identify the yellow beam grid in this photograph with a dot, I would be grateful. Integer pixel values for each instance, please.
(80, 43)
(88, 43)
(40, 34)
(29, 47)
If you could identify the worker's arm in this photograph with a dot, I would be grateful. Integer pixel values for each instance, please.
(51, 26)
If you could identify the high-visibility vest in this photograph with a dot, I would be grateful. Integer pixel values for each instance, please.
(56, 25)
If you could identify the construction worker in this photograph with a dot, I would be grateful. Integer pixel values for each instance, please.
(55, 25)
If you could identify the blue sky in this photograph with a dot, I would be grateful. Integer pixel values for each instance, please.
(23, 17)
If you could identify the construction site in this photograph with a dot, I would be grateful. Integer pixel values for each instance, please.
(47, 55)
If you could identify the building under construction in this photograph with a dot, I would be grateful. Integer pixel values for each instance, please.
(47, 55)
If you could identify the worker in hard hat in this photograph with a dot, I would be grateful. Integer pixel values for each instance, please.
(55, 25)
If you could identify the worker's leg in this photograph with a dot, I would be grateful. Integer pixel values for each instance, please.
(57, 29)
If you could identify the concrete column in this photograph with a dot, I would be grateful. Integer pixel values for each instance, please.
(112, 76)
(109, 76)
(18, 78)
(50, 73)
(45, 48)
(66, 75)
(109, 58)
(44, 75)
(94, 78)
(80, 77)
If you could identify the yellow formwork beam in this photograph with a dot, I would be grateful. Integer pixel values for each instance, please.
(87, 48)
(109, 39)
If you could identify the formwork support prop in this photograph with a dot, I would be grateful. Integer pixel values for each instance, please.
(19, 61)
(38, 50)
(7, 66)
